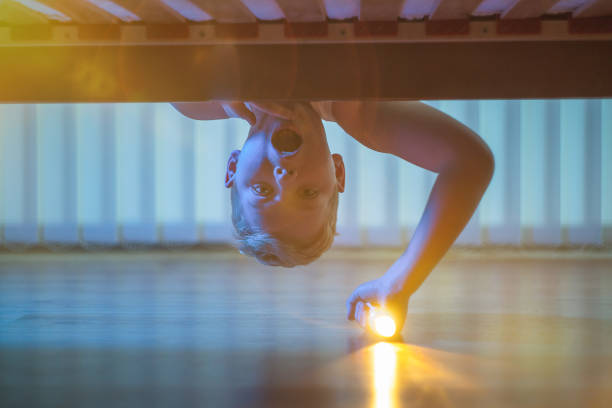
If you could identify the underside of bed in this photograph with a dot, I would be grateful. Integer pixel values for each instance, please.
(179, 50)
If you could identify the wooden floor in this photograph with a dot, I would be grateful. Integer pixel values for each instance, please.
(178, 330)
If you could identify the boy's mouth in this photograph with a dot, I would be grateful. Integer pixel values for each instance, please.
(286, 141)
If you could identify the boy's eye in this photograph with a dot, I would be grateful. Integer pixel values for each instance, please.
(261, 189)
(309, 193)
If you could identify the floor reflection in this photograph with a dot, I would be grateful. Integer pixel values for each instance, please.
(124, 331)
(397, 373)
(384, 362)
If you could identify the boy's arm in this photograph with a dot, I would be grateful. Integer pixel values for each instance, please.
(433, 140)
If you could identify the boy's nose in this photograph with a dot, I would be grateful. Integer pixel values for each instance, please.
(284, 175)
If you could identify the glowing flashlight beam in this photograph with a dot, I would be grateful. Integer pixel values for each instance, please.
(381, 322)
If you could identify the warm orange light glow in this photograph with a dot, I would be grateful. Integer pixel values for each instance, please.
(381, 322)
(384, 325)
(393, 371)
(398, 366)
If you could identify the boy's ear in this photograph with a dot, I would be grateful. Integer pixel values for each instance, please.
(339, 167)
(230, 172)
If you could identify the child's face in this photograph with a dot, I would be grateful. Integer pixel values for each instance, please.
(285, 176)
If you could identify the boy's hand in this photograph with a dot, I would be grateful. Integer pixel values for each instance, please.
(238, 110)
(379, 292)
(247, 110)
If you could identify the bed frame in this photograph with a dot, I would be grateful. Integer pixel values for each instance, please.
(167, 50)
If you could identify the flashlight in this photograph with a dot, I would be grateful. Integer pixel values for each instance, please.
(380, 321)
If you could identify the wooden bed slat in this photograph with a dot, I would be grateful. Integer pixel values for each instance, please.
(226, 11)
(342, 9)
(152, 11)
(376, 28)
(31, 32)
(81, 11)
(303, 11)
(267, 10)
(447, 27)
(591, 25)
(566, 6)
(17, 14)
(380, 10)
(594, 8)
(100, 32)
(512, 26)
(453, 9)
(236, 31)
(167, 31)
(306, 30)
(188, 10)
(528, 8)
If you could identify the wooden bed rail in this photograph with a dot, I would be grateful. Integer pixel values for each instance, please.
(316, 71)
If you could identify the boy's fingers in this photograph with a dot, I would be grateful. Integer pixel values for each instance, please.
(350, 311)
(246, 114)
(239, 110)
(274, 109)
(359, 313)
(350, 305)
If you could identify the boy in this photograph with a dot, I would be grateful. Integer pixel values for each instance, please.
(285, 183)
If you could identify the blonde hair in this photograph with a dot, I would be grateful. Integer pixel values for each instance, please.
(269, 250)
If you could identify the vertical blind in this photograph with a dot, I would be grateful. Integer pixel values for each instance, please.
(142, 173)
